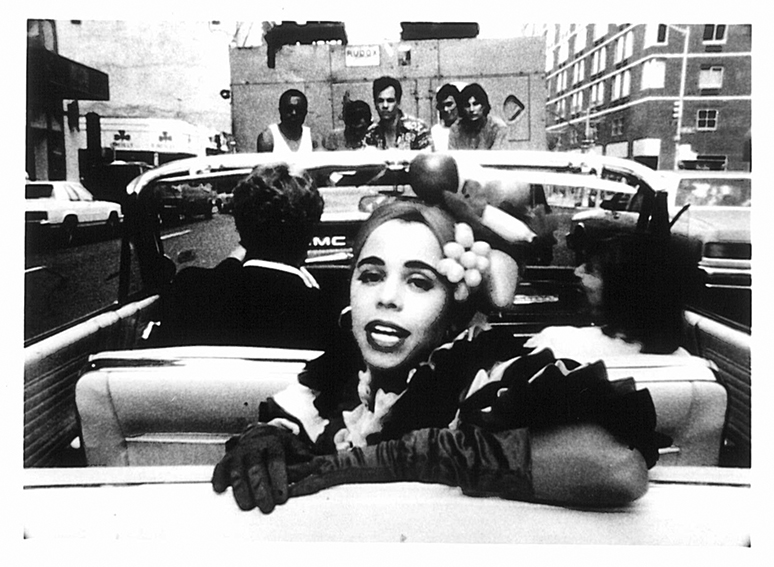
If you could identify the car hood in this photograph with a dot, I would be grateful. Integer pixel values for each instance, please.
(716, 223)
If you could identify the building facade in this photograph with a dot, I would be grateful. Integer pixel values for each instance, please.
(55, 86)
(165, 100)
(669, 96)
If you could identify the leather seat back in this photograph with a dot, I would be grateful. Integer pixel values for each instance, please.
(169, 407)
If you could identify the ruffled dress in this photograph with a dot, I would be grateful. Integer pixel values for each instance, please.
(483, 378)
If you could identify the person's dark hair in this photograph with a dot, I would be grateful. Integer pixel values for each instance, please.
(476, 91)
(355, 110)
(275, 212)
(285, 97)
(384, 82)
(446, 91)
(645, 282)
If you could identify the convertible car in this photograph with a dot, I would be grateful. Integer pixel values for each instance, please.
(104, 409)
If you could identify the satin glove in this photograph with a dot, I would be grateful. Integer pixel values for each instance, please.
(479, 462)
(255, 466)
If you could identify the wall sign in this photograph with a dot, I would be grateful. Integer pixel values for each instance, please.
(362, 56)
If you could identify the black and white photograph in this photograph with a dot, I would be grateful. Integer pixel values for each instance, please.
(387, 274)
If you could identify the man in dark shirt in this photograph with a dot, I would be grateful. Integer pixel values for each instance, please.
(260, 295)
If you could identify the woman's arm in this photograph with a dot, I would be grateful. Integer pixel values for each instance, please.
(585, 465)
(579, 465)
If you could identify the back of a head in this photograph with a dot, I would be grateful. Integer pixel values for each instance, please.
(275, 211)
(357, 110)
(646, 281)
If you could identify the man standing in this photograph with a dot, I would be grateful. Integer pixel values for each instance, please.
(290, 134)
(477, 129)
(395, 129)
(447, 103)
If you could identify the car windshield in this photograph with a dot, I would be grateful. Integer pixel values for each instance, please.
(714, 192)
(38, 191)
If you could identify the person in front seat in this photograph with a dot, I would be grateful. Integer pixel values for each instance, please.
(260, 295)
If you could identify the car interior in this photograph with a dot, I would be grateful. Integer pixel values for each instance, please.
(136, 406)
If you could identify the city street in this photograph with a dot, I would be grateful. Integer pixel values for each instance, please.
(63, 284)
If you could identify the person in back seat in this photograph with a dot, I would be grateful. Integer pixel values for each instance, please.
(260, 295)
(635, 284)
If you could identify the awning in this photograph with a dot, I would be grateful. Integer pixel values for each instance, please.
(49, 75)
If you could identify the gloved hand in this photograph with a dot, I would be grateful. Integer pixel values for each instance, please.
(479, 462)
(255, 466)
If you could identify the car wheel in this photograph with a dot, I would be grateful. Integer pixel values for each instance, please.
(69, 226)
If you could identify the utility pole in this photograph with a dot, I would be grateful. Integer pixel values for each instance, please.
(681, 96)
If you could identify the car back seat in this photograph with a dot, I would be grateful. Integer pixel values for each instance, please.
(179, 405)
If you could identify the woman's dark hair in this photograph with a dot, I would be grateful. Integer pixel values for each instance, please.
(355, 110)
(474, 90)
(645, 282)
(275, 212)
(446, 91)
(385, 82)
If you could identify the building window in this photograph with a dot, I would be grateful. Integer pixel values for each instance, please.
(549, 59)
(619, 50)
(598, 94)
(707, 119)
(578, 71)
(626, 83)
(564, 52)
(714, 33)
(560, 108)
(622, 84)
(624, 47)
(576, 102)
(711, 77)
(617, 126)
(653, 74)
(628, 44)
(598, 61)
(656, 34)
(580, 37)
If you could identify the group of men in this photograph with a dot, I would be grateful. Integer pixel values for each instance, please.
(466, 123)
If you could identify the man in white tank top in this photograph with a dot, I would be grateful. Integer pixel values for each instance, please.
(290, 134)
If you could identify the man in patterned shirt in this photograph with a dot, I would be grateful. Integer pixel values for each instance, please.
(395, 129)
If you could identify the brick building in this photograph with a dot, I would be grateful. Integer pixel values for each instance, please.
(669, 96)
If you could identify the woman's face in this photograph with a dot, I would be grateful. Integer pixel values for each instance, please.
(400, 303)
(474, 109)
(591, 282)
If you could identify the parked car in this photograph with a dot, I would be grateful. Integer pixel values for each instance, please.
(710, 208)
(176, 406)
(67, 207)
(187, 200)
